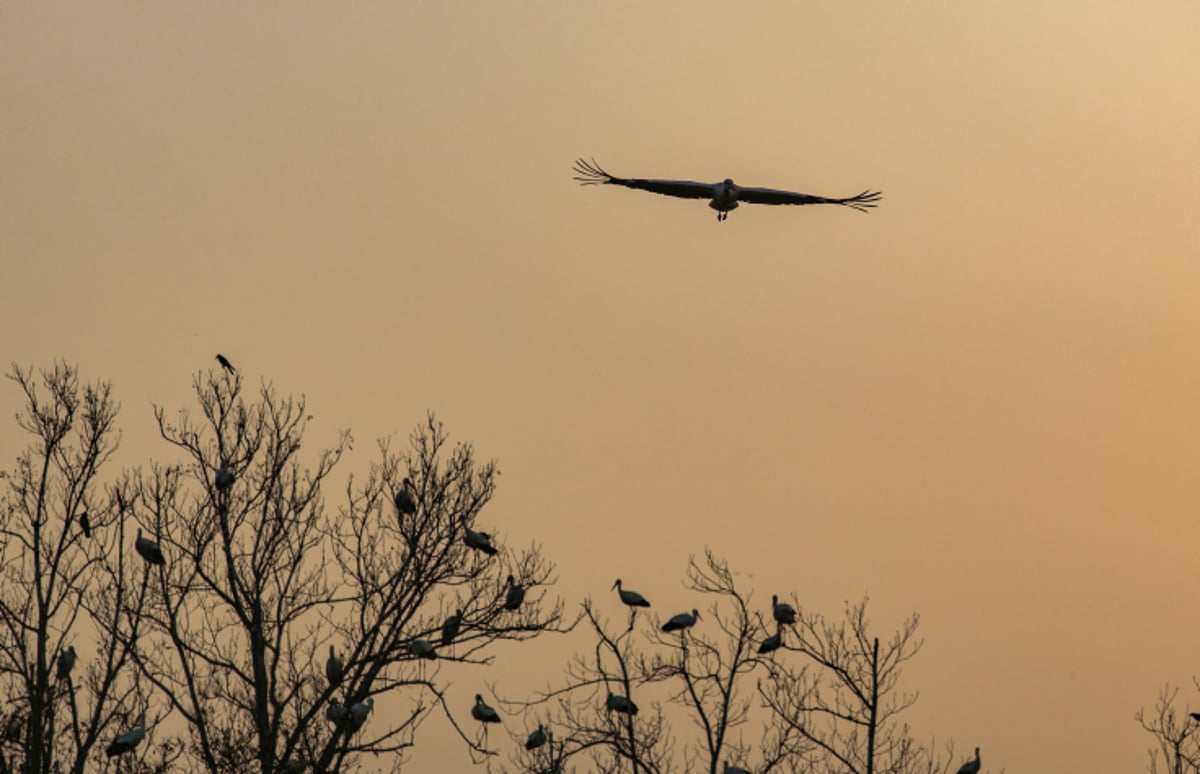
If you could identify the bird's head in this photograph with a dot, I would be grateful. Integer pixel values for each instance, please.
(617, 585)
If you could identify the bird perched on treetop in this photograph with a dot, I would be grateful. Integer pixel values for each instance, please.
(225, 363)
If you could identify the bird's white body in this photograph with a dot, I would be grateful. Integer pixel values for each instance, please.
(127, 741)
(422, 649)
(358, 712)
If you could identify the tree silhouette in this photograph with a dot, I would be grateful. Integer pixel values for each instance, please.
(825, 698)
(261, 578)
(1176, 734)
(70, 599)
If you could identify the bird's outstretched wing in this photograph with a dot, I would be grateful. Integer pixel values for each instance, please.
(590, 173)
(862, 202)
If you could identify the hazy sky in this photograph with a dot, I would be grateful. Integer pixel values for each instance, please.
(976, 403)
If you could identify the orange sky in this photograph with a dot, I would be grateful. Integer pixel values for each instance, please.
(975, 403)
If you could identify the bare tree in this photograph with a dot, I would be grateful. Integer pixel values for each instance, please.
(68, 599)
(1176, 734)
(597, 714)
(261, 579)
(842, 695)
(707, 668)
(788, 691)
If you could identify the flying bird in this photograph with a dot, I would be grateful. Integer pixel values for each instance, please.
(85, 524)
(681, 621)
(148, 549)
(224, 361)
(723, 196)
(631, 598)
(127, 741)
(971, 766)
(482, 712)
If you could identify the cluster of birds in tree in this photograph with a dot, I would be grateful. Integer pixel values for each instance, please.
(350, 716)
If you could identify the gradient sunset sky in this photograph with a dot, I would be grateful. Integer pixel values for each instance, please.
(977, 402)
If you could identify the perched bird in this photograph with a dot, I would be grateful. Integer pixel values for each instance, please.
(971, 766)
(724, 196)
(127, 741)
(334, 670)
(616, 703)
(451, 627)
(85, 524)
(293, 766)
(66, 662)
(536, 738)
(406, 502)
(224, 479)
(358, 712)
(772, 643)
(783, 612)
(681, 621)
(225, 363)
(515, 595)
(480, 541)
(1195, 716)
(337, 714)
(731, 769)
(148, 549)
(482, 712)
(422, 649)
(631, 598)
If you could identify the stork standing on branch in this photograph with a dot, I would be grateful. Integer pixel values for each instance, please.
(723, 196)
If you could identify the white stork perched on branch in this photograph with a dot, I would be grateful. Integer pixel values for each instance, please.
(723, 196)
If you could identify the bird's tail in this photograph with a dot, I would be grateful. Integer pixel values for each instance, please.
(862, 202)
(590, 173)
